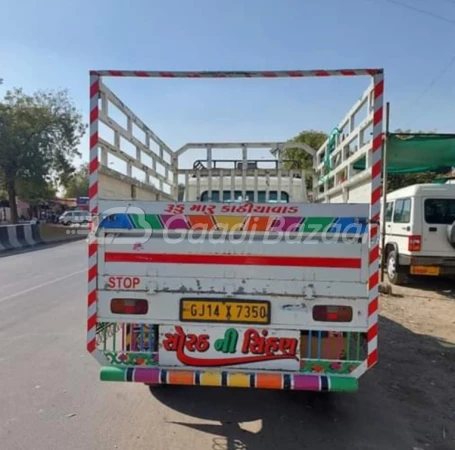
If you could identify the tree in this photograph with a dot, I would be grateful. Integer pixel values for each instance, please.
(34, 192)
(39, 135)
(300, 158)
(78, 183)
(397, 181)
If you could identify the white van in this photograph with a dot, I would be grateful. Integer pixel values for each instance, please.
(76, 216)
(420, 231)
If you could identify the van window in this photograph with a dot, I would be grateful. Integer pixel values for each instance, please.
(440, 211)
(273, 196)
(402, 213)
(388, 212)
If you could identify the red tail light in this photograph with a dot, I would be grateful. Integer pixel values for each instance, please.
(129, 306)
(325, 313)
(414, 243)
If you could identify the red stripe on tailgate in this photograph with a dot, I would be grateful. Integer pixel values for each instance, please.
(241, 260)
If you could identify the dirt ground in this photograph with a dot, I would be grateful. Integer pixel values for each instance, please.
(417, 359)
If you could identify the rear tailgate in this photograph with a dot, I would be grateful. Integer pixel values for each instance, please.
(287, 258)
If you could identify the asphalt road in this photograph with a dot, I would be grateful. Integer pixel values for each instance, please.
(51, 396)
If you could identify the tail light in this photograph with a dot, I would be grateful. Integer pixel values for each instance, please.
(129, 306)
(414, 243)
(325, 313)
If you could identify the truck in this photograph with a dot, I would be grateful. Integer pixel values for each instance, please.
(229, 272)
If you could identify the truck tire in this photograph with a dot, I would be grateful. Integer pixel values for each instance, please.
(394, 274)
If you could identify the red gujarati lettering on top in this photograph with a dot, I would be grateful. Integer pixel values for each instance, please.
(175, 208)
(203, 208)
(251, 208)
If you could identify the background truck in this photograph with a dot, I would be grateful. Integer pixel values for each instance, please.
(227, 273)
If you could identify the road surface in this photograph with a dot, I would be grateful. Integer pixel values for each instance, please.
(50, 396)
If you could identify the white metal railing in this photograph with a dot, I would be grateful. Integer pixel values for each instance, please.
(351, 143)
(159, 170)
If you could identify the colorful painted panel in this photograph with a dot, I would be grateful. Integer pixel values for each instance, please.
(131, 359)
(329, 367)
(313, 225)
(264, 380)
(308, 352)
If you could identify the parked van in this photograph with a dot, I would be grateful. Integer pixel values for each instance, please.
(73, 217)
(420, 231)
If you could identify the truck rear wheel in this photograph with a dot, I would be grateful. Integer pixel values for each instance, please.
(394, 274)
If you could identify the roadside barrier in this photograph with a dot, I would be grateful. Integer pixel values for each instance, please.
(15, 237)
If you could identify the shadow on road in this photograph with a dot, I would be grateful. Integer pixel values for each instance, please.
(404, 402)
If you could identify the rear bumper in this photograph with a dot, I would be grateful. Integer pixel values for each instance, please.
(258, 380)
(446, 265)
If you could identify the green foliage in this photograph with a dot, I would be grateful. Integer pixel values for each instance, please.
(78, 183)
(398, 181)
(35, 191)
(39, 135)
(3, 192)
(300, 158)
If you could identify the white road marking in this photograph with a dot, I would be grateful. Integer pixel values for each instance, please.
(39, 286)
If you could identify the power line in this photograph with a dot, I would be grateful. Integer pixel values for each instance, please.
(437, 78)
(422, 11)
(441, 73)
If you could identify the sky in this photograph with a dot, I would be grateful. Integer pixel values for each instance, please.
(52, 44)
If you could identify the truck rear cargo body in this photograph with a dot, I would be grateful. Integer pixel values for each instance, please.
(227, 275)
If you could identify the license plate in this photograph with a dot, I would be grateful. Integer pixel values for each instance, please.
(225, 311)
(424, 270)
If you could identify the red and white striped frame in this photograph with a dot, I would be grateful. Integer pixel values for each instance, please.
(375, 212)
(376, 164)
(237, 74)
(93, 205)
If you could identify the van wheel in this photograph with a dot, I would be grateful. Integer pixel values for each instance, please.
(394, 274)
